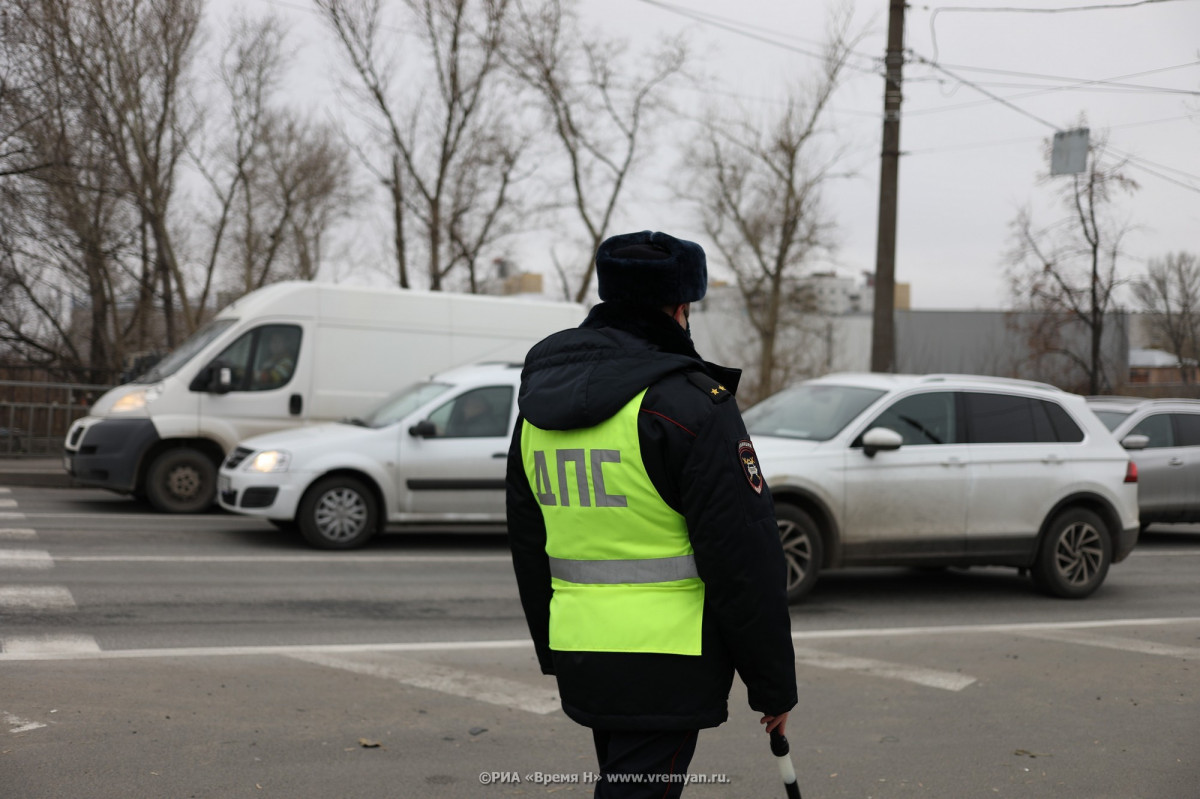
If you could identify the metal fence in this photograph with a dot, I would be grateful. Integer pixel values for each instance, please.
(35, 417)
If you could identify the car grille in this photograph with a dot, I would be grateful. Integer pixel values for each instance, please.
(237, 456)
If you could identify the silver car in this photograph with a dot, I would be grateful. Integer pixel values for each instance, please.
(1169, 464)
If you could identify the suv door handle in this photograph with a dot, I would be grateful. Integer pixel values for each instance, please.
(1175, 462)
(1052, 460)
(954, 462)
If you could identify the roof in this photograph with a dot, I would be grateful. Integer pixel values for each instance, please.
(889, 382)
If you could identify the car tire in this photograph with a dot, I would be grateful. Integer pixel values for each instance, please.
(1074, 556)
(338, 513)
(181, 480)
(803, 549)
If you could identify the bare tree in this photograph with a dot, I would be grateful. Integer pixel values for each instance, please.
(449, 154)
(1069, 269)
(760, 194)
(1170, 291)
(597, 103)
(279, 182)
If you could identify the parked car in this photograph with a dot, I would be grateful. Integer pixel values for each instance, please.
(1168, 461)
(435, 452)
(945, 470)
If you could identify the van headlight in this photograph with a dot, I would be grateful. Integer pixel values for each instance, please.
(137, 400)
(271, 460)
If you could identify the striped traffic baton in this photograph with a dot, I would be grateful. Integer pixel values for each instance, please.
(782, 752)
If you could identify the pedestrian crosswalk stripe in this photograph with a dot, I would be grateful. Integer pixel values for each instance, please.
(11, 515)
(36, 597)
(16, 533)
(1118, 642)
(48, 644)
(8, 503)
(446, 680)
(25, 559)
(931, 678)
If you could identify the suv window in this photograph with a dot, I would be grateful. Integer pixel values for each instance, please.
(922, 419)
(1009, 419)
(479, 413)
(1187, 429)
(1157, 428)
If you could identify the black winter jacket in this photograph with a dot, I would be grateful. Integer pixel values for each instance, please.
(689, 430)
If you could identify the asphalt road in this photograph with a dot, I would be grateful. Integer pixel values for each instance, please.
(214, 656)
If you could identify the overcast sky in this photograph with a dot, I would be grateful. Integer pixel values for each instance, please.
(972, 160)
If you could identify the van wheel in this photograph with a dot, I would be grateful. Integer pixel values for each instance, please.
(181, 480)
(1074, 556)
(338, 513)
(803, 549)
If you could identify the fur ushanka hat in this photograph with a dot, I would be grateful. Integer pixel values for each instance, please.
(651, 269)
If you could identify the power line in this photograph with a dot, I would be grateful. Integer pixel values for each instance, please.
(730, 25)
(1036, 10)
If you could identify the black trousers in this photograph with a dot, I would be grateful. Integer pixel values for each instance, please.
(657, 760)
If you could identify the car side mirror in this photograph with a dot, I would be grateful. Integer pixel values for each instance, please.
(881, 439)
(216, 378)
(423, 429)
(1135, 441)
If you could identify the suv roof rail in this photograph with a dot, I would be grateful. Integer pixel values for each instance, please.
(1012, 381)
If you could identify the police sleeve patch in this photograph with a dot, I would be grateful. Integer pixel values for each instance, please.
(749, 462)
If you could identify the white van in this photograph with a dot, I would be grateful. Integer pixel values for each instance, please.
(289, 354)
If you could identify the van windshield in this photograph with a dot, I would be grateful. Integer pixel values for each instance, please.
(175, 360)
(404, 402)
(812, 412)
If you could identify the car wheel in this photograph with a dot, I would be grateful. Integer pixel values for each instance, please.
(1074, 556)
(338, 513)
(803, 549)
(181, 480)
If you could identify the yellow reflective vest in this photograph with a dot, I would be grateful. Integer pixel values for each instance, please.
(621, 563)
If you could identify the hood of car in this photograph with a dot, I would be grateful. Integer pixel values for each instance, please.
(775, 453)
(312, 437)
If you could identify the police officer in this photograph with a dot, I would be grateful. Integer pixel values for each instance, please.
(643, 536)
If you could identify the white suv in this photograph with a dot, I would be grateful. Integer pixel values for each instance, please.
(435, 452)
(945, 470)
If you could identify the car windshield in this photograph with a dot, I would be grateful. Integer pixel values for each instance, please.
(184, 352)
(809, 411)
(1110, 418)
(404, 402)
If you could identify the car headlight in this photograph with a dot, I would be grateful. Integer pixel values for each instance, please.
(133, 401)
(271, 460)
(138, 400)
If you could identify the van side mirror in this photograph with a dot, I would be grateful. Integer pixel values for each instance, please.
(1135, 441)
(880, 439)
(423, 429)
(216, 378)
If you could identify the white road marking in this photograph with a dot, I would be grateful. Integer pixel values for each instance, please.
(931, 678)
(25, 559)
(49, 644)
(11, 515)
(1164, 553)
(5, 490)
(522, 643)
(36, 597)
(303, 649)
(1117, 642)
(446, 680)
(8, 503)
(17, 725)
(959, 629)
(17, 533)
(331, 557)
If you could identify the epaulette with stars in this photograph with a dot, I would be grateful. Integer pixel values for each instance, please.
(713, 388)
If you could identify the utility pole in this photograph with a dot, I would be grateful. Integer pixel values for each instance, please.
(883, 333)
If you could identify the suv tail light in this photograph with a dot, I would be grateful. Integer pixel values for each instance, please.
(1130, 472)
